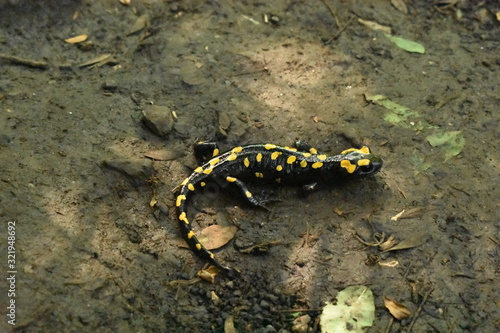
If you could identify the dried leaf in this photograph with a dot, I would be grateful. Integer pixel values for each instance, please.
(409, 243)
(76, 39)
(96, 60)
(375, 26)
(397, 216)
(216, 236)
(208, 274)
(397, 310)
(142, 22)
(400, 5)
(390, 242)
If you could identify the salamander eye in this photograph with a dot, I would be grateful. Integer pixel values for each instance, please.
(366, 169)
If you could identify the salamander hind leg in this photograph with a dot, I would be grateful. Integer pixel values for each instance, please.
(247, 194)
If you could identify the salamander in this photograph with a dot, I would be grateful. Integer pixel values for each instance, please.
(302, 165)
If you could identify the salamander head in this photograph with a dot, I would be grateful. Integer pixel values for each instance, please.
(360, 162)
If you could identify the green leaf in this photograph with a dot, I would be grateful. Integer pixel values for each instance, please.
(398, 115)
(354, 310)
(452, 142)
(406, 44)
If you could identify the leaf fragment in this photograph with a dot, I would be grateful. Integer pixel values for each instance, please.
(397, 310)
(76, 39)
(400, 5)
(375, 26)
(96, 61)
(405, 44)
(216, 236)
(354, 310)
(452, 142)
(142, 22)
(410, 242)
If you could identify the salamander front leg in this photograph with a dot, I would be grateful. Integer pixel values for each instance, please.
(247, 194)
(203, 151)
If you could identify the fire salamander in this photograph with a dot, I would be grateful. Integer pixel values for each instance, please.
(303, 165)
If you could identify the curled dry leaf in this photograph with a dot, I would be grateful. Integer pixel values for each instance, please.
(397, 310)
(388, 243)
(397, 216)
(208, 274)
(410, 242)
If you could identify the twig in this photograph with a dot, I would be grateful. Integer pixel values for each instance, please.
(388, 328)
(339, 32)
(417, 313)
(332, 12)
(24, 62)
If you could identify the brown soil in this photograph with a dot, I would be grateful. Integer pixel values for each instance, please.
(92, 255)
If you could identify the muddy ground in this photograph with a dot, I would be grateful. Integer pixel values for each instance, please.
(91, 254)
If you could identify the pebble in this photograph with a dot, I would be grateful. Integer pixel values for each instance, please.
(138, 170)
(158, 119)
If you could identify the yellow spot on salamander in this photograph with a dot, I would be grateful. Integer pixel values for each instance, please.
(291, 159)
(179, 200)
(348, 166)
(321, 157)
(198, 169)
(184, 182)
(303, 163)
(230, 179)
(365, 150)
(348, 150)
(198, 246)
(232, 157)
(216, 152)
(279, 168)
(191, 187)
(214, 161)
(317, 165)
(290, 148)
(246, 162)
(269, 146)
(236, 149)
(202, 184)
(248, 194)
(364, 162)
(275, 155)
(259, 175)
(313, 151)
(207, 171)
(258, 158)
(190, 234)
(211, 255)
(306, 155)
(182, 217)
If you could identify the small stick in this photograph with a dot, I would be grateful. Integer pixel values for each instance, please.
(24, 62)
(332, 12)
(417, 313)
(339, 32)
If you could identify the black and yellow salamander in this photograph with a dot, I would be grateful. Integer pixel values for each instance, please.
(303, 165)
